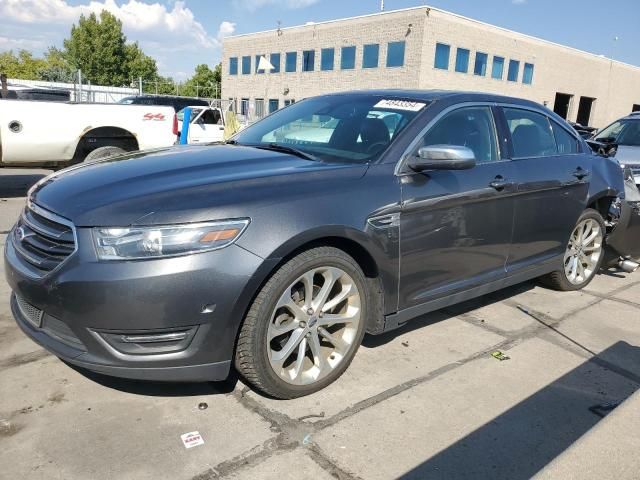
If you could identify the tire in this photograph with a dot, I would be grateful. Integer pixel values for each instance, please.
(281, 319)
(103, 152)
(586, 259)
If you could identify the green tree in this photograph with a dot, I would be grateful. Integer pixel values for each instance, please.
(138, 64)
(56, 68)
(204, 82)
(160, 85)
(9, 64)
(23, 65)
(98, 48)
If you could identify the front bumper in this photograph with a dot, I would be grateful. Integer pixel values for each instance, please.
(88, 307)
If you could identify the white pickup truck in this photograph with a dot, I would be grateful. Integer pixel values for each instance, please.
(60, 134)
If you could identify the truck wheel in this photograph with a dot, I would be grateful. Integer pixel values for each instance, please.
(583, 256)
(103, 152)
(306, 324)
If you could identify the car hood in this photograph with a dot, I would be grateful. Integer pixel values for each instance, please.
(181, 184)
(627, 155)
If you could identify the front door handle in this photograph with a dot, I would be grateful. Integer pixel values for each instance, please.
(581, 173)
(499, 183)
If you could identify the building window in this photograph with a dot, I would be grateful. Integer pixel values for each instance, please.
(442, 56)
(258, 57)
(395, 54)
(462, 60)
(259, 107)
(246, 65)
(290, 62)
(275, 61)
(527, 74)
(514, 70)
(370, 56)
(289, 101)
(480, 67)
(308, 60)
(498, 68)
(244, 106)
(233, 66)
(348, 60)
(327, 59)
(274, 104)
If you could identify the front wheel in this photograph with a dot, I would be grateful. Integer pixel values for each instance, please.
(583, 256)
(305, 325)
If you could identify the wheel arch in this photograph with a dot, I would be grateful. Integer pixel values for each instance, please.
(351, 242)
(104, 136)
(601, 202)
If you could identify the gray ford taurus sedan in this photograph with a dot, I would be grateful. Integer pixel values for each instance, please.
(276, 252)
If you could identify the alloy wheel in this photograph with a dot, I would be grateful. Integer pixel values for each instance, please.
(314, 325)
(583, 251)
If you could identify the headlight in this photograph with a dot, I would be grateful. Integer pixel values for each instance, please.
(165, 241)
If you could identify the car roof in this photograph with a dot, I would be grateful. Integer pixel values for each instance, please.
(433, 95)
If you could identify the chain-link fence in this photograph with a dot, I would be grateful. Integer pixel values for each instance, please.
(82, 90)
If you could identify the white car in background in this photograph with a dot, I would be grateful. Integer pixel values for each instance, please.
(206, 125)
(63, 133)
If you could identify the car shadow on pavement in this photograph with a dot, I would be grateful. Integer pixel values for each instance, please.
(160, 389)
(373, 341)
(14, 186)
(521, 441)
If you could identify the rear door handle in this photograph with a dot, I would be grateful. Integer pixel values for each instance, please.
(581, 173)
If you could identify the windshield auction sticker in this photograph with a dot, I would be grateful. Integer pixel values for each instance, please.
(400, 105)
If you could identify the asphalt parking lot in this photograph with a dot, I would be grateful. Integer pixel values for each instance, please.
(427, 401)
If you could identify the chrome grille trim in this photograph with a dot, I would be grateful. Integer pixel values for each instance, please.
(43, 247)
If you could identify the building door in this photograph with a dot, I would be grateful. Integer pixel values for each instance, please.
(562, 104)
(585, 107)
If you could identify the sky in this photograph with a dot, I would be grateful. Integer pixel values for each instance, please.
(181, 34)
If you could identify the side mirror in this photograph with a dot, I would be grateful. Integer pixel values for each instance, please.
(443, 157)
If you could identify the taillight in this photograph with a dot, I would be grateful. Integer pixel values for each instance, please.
(175, 124)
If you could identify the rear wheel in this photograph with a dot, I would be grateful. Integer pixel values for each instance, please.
(104, 152)
(305, 325)
(583, 256)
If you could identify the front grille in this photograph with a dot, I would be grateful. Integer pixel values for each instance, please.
(32, 314)
(42, 239)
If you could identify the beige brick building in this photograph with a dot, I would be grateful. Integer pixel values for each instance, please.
(423, 48)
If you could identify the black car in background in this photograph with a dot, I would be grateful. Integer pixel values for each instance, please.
(178, 103)
(275, 253)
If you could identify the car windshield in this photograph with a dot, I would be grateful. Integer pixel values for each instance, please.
(341, 128)
(622, 132)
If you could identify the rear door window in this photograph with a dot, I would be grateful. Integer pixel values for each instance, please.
(565, 142)
(531, 134)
